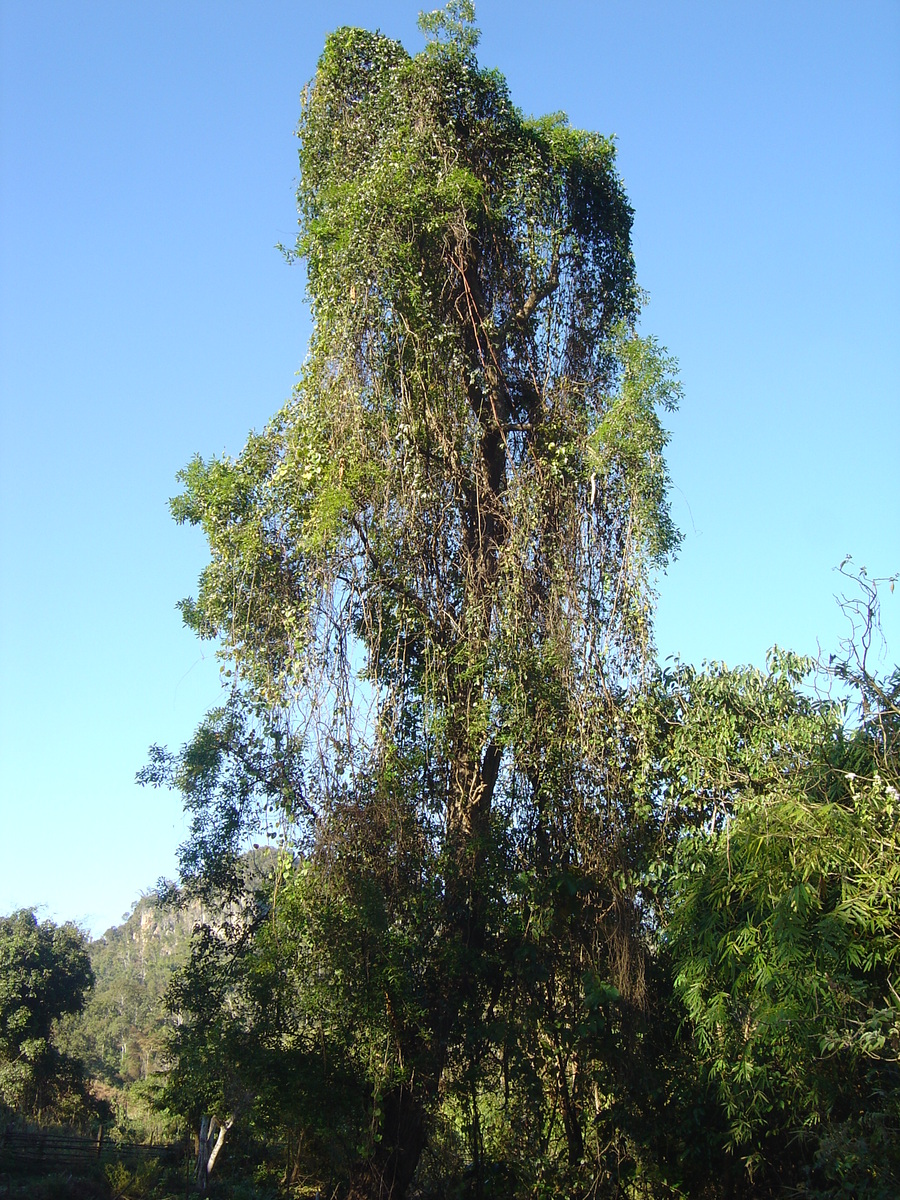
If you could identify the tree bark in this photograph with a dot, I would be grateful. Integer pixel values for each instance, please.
(389, 1170)
(207, 1149)
(220, 1142)
(201, 1170)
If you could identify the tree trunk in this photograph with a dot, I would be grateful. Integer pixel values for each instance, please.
(208, 1150)
(220, 1142)
(388, 1172)
(571, 1120)
(201, 1170)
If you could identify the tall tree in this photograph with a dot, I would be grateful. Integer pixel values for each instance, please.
(429, 579)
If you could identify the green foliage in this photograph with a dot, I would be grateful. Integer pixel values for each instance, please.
(542, 921)
(429, 579)
(45, 973)
(121, 1032)
(144, 1180)
(784, 925)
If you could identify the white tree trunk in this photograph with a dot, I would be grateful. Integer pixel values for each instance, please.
(220, 1142)
(207, 1151)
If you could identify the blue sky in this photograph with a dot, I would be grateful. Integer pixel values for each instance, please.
(147, 167)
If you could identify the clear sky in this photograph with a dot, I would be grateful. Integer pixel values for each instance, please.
(148, 165)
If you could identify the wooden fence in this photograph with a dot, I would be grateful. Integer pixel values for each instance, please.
(51, 1150)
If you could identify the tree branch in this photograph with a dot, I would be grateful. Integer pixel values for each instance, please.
(534, 298)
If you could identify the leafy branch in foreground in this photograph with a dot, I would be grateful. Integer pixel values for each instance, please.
(783, 920)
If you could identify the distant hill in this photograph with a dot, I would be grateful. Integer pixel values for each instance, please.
(121, 1035)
